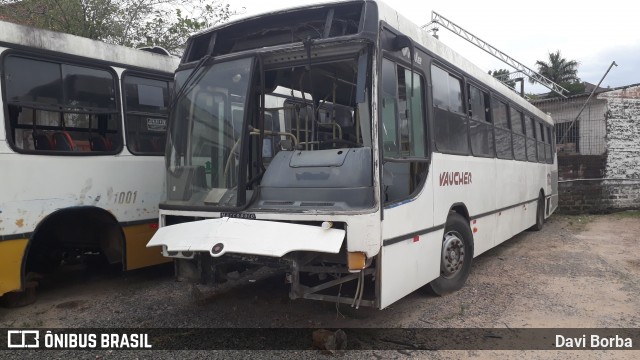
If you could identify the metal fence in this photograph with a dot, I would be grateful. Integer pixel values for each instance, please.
(587, 134)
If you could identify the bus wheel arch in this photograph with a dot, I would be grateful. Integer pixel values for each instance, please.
(86, 227)
(460, 209)
(456, 254)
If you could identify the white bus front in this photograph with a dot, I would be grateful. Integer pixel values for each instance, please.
(289, 183)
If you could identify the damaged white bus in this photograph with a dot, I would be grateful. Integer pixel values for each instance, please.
(82, 136)
(346, 145)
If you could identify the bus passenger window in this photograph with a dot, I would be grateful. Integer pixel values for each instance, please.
(451, 130)
(58, 106)
(519, 143)
(531, 139)
(502, 129)
(541, 140)
(481, 131)
(548, 145)
(146, 112)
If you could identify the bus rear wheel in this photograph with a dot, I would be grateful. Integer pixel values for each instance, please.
(456, 256)
(539, 215)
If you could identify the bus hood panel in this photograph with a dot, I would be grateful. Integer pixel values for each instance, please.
(251, 237)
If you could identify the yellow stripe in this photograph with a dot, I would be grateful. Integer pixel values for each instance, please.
(11, 254)
(138, 255)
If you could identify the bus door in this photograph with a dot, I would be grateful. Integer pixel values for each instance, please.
(409, 241)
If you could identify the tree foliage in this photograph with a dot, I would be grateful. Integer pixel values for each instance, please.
(503, 76)
(558, 69)
(166, 23)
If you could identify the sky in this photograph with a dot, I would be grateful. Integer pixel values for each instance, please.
(592, 33)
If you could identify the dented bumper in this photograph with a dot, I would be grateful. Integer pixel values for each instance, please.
(241, 236)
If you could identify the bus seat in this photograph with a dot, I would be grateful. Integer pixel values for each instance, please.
(145, 145)
(41, 141)
(62, 141)
(98, 143)
(200, 177)
(158, 144)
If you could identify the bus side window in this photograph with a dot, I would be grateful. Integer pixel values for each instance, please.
(519, 143)
(146, 113)
(58, 103)
(450, 125)
(549, 145)
(531, 139)
(502, 129)
(480, 128)
(540, 137)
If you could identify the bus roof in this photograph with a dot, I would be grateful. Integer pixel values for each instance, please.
(407, 27)
(421, 36)
(26, 37)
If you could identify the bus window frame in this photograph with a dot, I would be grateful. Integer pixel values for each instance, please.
(513, 108)
(151, 76)
(452, 72)
(528, 120)
(74, 61)
(509, 129)
(489, 114)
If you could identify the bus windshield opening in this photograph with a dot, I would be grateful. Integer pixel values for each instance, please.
(262, 131)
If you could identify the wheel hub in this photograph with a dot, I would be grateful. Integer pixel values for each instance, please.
(452, 254)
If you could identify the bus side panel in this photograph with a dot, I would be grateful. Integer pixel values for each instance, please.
(11, 258)
(553, 168)
(137, 254)
(513, 221)
(128, 187)
(470, 182)
(408, 265)
(516, 182)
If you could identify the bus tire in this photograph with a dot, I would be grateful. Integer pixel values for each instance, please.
(456, 256)
(539, 214)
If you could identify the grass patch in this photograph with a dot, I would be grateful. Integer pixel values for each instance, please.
(578, 222)
(629, 214)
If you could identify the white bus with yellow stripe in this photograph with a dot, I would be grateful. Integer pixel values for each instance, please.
(349, 148)
(82, 134)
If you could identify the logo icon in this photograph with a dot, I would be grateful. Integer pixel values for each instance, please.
(23, 339)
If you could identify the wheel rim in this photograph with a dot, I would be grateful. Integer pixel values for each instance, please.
(452, 254)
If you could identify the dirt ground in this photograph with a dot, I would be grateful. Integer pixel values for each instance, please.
(578, 272)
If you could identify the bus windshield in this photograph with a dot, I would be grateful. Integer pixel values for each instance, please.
(207, 130)
(236, 125)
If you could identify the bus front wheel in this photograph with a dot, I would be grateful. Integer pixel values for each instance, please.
(456, 256)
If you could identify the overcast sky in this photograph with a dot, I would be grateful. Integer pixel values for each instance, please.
(594, 34)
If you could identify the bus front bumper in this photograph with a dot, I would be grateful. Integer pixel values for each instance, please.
(242, 236)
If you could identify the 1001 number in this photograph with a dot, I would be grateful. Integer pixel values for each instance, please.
(125, 197)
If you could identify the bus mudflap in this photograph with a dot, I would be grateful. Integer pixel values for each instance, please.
(243, 236)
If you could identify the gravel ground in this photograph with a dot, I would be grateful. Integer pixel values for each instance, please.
(576, 272)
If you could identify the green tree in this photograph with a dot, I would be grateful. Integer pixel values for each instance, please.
(503, 76)
(573, 87)
(558, 69)
(134, 23)
(562, 72)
